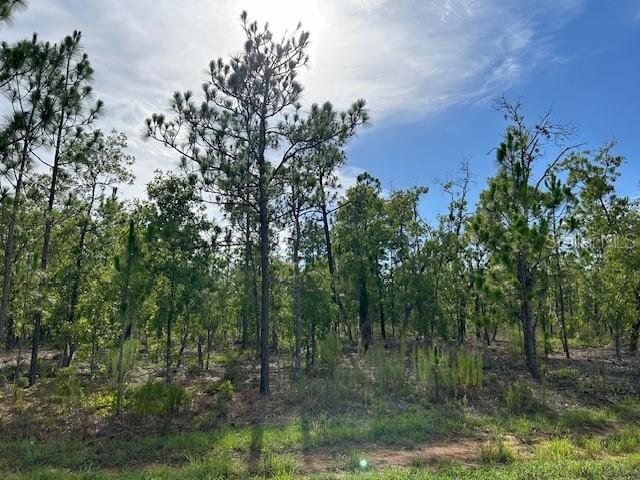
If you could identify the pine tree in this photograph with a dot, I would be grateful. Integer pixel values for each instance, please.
(251, 107)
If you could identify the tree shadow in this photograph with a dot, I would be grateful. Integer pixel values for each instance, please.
(254, 460)
(305, 429)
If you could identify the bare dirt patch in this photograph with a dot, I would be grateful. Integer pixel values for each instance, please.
(465, 451)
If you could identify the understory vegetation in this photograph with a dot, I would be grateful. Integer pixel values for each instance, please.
(309, 330)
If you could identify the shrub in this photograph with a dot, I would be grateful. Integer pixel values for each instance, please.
(158, 399)
(441, 373)
(223, 392)
(388, 368)
(520, 398)
(121, 363)
(433, 373)
(233, 370)
(626, 440)
(556, 450)
(67, 388)
(497, 452)
(515, 343)
(330, 351)
(193, 368)
(349, 384)
(468, 372)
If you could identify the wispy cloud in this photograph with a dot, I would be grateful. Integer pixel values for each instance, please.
(407, 58)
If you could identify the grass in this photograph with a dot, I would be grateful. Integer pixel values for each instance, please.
(273, 450)
(497, 452)
(284, 467)
(345, 409)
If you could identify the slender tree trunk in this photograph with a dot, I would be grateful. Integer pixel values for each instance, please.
(75, 286)
(462, 320)
(94, 351)
(560, 294)
(120, 370)
(183, 345)
(245, 306)
(200, 356)
(528, 329)
(167, 372)
(635, 328)
(42, 284)
(330, 260)
(124, 320)
(8, 246)
(297, 307)
(265, 248)
(363, 313)
(383, 328)
(18, 358)
(617, 341)
(313, 342)
(209, 342)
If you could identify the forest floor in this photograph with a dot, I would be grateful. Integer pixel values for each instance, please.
(583, 421)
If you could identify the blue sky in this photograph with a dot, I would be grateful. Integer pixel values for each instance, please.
(430, 71)
(593, 83)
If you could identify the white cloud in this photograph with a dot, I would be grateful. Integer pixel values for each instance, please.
(407, 58)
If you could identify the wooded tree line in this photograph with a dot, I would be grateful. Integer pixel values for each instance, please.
(549, 250)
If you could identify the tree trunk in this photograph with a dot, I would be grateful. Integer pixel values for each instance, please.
(560, 299)
(383, 329)
(37, 317)
(75, 286)
(8, 246)
(200, 356)
(44, 259)
(265, 274)
(363, 313)
(245, 306)
(183, 345)
(297, 306)
(330, 260)
(617, 341)
(209, 342)
(462, 320)
(635, 328)
(528, 329)
(167, 371)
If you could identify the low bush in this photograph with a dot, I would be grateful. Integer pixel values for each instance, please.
(68, 389)
(233, 370)
(157, 399)
(441, 373)
(388, 368)
(515, 343)
(497, 452)
(330, 351)
(557, 449)
(520, 399)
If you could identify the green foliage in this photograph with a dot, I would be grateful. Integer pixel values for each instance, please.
(120, 366)
(68, 388)
(388, 368)
(157, 399)
(515, 344)
(330, 353)
(556, 450)
(223, 392)
(520, 398)
(233, 370)
(441, 373)
(468, 374)
(497, 452)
